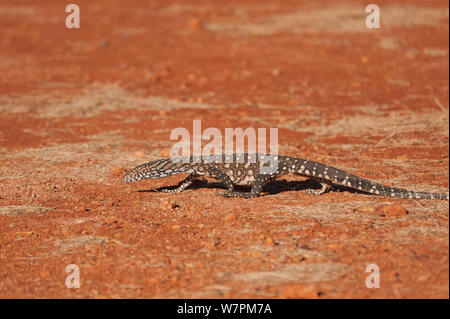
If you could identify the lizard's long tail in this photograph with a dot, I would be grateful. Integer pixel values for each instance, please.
(404, 193)
(384, 190)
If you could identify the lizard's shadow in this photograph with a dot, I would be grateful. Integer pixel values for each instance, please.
(272, 188)
(280, 186)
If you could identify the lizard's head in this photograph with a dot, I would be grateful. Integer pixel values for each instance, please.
(156, 169)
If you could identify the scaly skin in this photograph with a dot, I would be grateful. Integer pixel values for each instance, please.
(244, 169)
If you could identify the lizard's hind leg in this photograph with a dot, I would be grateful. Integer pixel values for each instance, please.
(325, 188)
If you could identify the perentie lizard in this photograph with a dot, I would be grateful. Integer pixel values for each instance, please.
(244, 169)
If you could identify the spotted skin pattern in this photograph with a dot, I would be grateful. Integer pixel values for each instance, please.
(244, 169)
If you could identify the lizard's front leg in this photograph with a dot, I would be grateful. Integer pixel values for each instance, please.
(181, 186)
(224, 179)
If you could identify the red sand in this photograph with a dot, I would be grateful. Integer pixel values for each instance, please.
(78, 107)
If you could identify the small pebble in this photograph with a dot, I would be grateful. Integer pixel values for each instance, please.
(269, 242)
(395, 210)
(167, 204)
(230, 217)
(194, 24)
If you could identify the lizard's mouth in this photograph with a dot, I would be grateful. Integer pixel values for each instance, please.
(129, 177)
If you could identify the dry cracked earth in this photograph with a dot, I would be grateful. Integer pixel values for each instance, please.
(79, 107)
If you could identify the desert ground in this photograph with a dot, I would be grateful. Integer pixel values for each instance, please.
(79, 107)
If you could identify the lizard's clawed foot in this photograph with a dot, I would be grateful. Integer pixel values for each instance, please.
(325, 188)
(237, 194)
(167, 190)
(315, 191)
